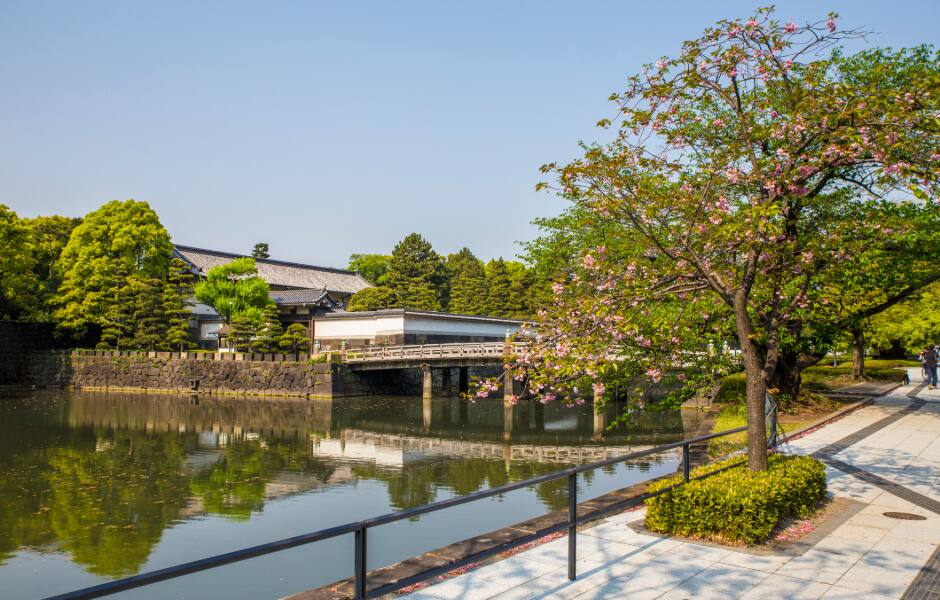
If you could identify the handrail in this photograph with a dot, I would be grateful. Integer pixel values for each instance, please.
(448, 350)
(359, 528)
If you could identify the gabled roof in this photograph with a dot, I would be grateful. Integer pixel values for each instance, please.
(279, 272)
(299, 297)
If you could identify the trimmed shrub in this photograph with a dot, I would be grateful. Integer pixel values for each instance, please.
(737, 505)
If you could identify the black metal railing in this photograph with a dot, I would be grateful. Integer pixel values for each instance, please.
(360, 529)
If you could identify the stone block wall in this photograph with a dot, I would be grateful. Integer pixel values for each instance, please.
(184, 372)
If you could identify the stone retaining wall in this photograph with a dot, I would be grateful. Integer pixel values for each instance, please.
(186, 372)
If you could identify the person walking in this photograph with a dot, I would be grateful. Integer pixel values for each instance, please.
(930, 366)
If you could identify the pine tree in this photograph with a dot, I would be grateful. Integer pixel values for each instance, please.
(149, 321)
(176, 291)
(416, 274)
(261, 250)
(243, 328)
(520, 306)
(468, 294)
(295, 339)
(117, 322)
(498, 287)
(270, 331)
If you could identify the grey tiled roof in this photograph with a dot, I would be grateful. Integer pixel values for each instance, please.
(287, 297)
(280, 273)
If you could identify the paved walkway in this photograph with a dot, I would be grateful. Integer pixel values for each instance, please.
(888, 458)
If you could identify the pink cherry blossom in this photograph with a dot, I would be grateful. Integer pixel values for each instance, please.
(790, 27)
(831, 23)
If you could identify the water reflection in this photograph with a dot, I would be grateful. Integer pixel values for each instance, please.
(102, 477)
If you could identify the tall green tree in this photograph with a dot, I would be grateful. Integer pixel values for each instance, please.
(270, 330)
(417, 275)
(745, 175)
(235, 289)
(521, 281)
(48, 236)
(119, 240)
(18, 284)
(176, 294)
(467, 284)
(150, 323)
(371, 266)
(117, 324)
(373, 298)
(261, 250)
(499, 288)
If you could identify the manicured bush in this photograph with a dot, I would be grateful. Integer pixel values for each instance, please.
(737, 505)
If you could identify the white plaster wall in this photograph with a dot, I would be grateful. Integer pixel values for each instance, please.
(429, 325)
(350, 329)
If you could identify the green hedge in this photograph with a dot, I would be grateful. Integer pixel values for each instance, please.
(737, 505)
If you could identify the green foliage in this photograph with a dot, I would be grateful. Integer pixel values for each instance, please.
(149, 320)
(18, 282)
(912, 324)
(498, 288)
(371, 266)
(261, 250)
(417, 275)
(176, 292)
(270, 331)
(235, 289)
(295, 339)
(732, 389)
(738, 505)
(242, 328)
(373, 298)
(117, 242)
(467, 284)
(48, 237)
(117, 325)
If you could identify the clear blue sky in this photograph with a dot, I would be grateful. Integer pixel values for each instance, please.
(331, 128)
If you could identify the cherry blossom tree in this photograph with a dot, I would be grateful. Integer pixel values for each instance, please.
(742, 176)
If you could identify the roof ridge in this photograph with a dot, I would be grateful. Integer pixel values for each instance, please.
(273, 261)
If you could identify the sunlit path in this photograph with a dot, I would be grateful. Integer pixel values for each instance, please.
(867, 555)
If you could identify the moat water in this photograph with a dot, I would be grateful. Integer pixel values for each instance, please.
(95, 486)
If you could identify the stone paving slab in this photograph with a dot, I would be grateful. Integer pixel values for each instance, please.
(895, 467)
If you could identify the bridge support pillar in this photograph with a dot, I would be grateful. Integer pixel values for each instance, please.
(427, 386)
(600, 416)
(427, 409)
(507, 407)
(445, 381)
(463, 380)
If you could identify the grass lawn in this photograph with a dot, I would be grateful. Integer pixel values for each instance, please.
(794, 415)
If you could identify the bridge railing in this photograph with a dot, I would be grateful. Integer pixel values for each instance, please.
(434, 351)
(360, 529)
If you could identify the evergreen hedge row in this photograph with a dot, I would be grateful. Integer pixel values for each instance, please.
(737, 505)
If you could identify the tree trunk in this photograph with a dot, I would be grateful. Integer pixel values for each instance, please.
(788, 376)
(858, 354)
(756, 387)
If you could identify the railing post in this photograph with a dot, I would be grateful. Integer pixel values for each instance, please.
(572, 525)
(360, 574)
(686, 467)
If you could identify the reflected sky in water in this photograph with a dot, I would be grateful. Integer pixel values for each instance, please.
(95, 486)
